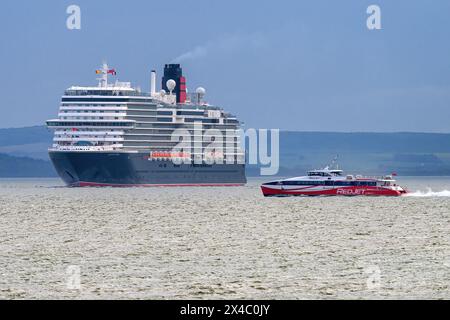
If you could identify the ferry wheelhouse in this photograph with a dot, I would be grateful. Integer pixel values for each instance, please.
(332, 182)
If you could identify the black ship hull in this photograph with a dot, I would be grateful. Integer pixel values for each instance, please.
(80, 169)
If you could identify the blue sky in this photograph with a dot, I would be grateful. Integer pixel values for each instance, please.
(293, 65)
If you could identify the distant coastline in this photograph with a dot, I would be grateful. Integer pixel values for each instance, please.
(23, 152)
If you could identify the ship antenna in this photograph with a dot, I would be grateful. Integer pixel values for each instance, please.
(334, 162)
(103, 80)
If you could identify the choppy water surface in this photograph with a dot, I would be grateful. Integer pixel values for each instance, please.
(202, 243)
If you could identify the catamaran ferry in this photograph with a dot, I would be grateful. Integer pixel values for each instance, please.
(332, 182)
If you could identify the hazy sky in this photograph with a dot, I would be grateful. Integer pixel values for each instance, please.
(297, 65)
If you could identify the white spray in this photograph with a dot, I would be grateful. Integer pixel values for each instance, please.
(429, 193)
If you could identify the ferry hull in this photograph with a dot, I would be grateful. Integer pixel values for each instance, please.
(117, 169)
(341, 191)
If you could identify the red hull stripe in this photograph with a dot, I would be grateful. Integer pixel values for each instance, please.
(95, 184)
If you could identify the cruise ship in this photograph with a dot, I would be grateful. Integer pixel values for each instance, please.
(114, 134)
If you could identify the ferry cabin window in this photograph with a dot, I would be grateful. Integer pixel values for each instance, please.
(303, 183)
(366, 183)
(318, 174)
(330, 183)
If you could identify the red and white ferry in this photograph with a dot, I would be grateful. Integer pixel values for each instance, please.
(332, 182)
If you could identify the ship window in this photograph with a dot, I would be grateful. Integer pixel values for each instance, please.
(165, 113)
(190, 113)
(83, 143)
(164, 119)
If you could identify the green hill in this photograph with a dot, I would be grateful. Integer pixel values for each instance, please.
(27, 135)
(29, 142)
(368, 153)
(23, 152)
(18, 167)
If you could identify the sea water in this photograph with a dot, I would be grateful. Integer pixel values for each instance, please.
(230, 242)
